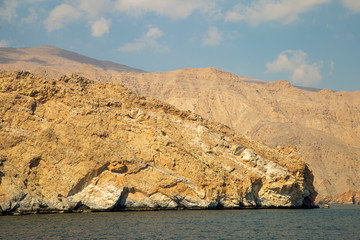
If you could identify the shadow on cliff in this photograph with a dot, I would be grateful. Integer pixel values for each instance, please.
(120, 204)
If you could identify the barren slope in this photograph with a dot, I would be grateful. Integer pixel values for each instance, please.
(324, 126)
(53, 62)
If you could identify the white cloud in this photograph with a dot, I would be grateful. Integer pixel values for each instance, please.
(213, 37)
(31, 18)
(153, 33)
(4, 43)
(100, 27)
(91, 11)
(285, 11)
(352, 5)
(332, 67)
(147, 40)
(175, 9)
(136, 46)
(60, 16)
(29, 1)
(8, 11)
(94, 8)
(295, 62)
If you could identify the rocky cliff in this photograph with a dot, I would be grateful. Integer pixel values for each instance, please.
(323, 125)
(72, 144)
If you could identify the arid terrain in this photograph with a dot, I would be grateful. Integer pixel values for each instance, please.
(71, 144)
(324, 125)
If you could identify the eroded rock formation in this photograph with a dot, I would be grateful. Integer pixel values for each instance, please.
(71, 144)
(322, 125)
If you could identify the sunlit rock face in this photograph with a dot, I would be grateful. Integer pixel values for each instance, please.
(72, 144)
(323, 125)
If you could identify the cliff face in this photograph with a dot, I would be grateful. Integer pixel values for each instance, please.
(324, 125)
(72, 144)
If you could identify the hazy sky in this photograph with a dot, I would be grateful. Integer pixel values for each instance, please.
(308, 42)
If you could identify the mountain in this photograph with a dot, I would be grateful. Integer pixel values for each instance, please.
(323, 125)
(54, 62)
(72, 144)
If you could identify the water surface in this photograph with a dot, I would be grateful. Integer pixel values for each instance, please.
(338, 222)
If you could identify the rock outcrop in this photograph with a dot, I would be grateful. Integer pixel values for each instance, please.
(72, 144)
(323, 125)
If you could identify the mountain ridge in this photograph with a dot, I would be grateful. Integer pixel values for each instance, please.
(46, 56)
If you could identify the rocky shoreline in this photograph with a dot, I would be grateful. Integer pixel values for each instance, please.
(147, 209)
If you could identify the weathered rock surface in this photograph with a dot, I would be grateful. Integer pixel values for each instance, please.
(348, 197)
(72, 144)
(323, 125)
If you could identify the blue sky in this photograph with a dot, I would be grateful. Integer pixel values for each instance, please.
(307, 42)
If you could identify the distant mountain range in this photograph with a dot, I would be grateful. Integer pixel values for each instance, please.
(62, 61)
(323, 125)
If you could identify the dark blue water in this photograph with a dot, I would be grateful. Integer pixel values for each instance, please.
(338, 222)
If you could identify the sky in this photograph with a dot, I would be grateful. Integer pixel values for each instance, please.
(313, 43)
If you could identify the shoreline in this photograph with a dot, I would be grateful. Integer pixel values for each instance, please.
(146, 209)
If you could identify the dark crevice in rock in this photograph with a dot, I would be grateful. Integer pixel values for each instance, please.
(170, 185)
(2, 160)
(178, 199)
(216, 204)
(141, 168)
(238, 150)
(80, 206)
(308, 203)
(35, 162)
(40, 206)
(85, 181)
(1, 175)
(12, 207)
(219, 206)
(120, 204)
(26, 182)
(33, 106)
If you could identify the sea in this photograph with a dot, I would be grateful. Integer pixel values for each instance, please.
(337, 222)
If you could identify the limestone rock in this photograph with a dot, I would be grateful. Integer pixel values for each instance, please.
(72, 144)
(323, 125)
